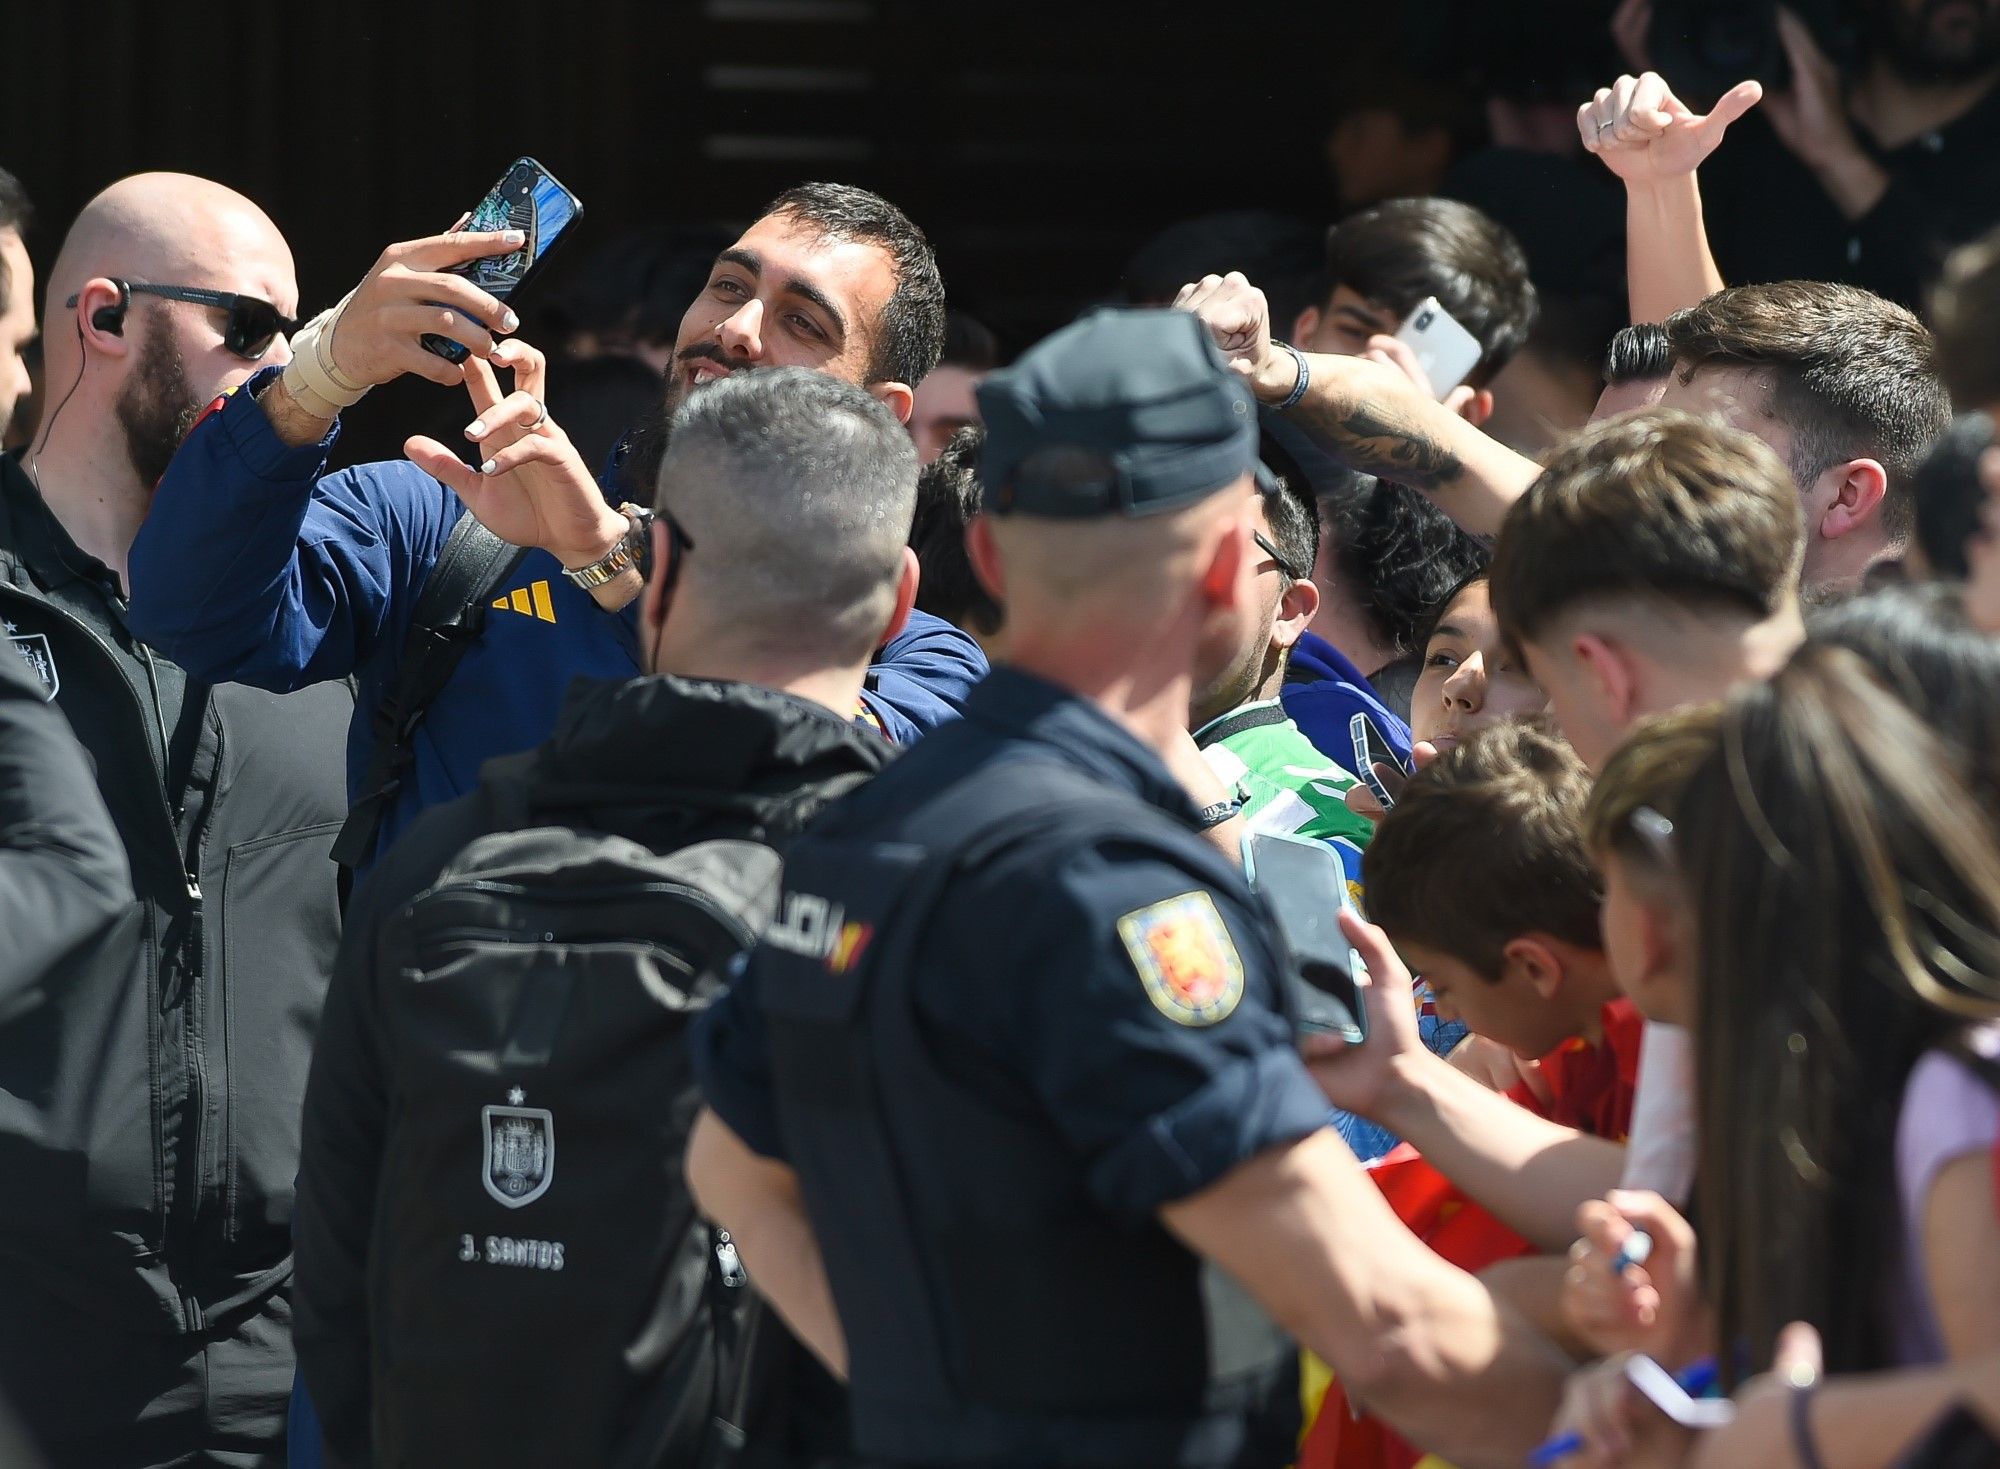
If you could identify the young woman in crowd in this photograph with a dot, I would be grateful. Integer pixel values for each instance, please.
(1845, 880)
(1468, 680)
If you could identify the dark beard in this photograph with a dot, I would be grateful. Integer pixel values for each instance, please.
(645, 444)
(156, 408)
(1906, 42)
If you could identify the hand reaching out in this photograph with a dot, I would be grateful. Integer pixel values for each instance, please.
(1618, 1426)
(1643, 133)
(1360, 1078)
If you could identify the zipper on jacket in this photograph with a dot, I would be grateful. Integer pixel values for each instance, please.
(191, 1308)
(196, 955)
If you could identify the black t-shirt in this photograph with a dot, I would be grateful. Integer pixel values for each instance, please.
(1769, 219)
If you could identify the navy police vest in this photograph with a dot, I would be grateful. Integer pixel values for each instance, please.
(993, 1310)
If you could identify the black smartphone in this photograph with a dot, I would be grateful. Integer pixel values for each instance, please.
(532, 200)
(1370, 750)
(1305, 887)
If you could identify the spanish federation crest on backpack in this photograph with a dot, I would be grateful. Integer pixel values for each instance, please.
(520, 1161)
(551, 972)
(34, 647)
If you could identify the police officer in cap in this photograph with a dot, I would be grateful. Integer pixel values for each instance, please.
(1012, 1074)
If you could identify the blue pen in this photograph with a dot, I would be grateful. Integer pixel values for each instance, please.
(1696, 1381)
(1637, 1250)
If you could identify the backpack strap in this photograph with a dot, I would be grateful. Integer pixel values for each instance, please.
(449, 617)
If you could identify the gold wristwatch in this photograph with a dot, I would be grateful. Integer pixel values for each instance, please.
(629, 550)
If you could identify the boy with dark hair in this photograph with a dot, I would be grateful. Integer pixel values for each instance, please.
(1487, 880)
(1653, 564)
(947, 498)
(1382, 262)
(1387, 558)
(1480, 876)
(1636, 367)
(943, 404)
(1239, 724)
(1843, 385)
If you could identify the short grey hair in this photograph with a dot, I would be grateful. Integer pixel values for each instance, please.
(797, 490)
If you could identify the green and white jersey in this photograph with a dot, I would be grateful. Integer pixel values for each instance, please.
(1289, 786)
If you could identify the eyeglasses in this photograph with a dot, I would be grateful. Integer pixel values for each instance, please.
(1264, 544)
(253, 322)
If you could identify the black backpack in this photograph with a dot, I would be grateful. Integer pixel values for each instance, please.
(542, 1288)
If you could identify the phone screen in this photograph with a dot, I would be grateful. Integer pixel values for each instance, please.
(529, 199)
(1305, 886)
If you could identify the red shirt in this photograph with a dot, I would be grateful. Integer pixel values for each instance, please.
(1591, 1086)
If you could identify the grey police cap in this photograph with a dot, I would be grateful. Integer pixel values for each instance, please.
(1147, 412)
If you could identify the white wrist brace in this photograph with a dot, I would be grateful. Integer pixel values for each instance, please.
(315, 383)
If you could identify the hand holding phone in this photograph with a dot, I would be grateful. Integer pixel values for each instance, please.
(1446, 351)
(1305, 886)
(531, 202)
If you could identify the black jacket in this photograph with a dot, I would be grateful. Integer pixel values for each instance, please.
(149, 1100)
(628, 758)
(63, 877)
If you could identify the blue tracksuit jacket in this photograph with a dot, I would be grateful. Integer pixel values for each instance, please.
(256, 566)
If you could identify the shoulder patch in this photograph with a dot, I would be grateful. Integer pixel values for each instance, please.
(1185, 957)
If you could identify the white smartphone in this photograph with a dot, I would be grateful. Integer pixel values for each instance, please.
(1672, 1399)
(1445, 350)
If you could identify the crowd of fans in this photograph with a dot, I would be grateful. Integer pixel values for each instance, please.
(808, 773)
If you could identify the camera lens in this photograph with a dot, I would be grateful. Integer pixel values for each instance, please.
(1424, 321)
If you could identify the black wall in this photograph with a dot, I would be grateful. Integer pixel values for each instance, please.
(1036, 141)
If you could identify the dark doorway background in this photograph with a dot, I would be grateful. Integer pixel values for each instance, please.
(1036, 141)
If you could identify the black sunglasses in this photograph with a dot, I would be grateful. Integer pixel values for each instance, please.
(1264, 544)
(253, 322)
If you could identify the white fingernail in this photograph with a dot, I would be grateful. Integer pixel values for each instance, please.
(487, 467)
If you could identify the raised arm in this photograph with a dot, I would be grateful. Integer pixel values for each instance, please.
(254, 564)
(1654, 142)
(1369, 415)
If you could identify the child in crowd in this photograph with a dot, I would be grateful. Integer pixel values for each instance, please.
(1480, 877)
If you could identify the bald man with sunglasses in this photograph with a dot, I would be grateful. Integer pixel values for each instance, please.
(150, 1090)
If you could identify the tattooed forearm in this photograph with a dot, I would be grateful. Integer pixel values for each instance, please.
(1380, 442)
